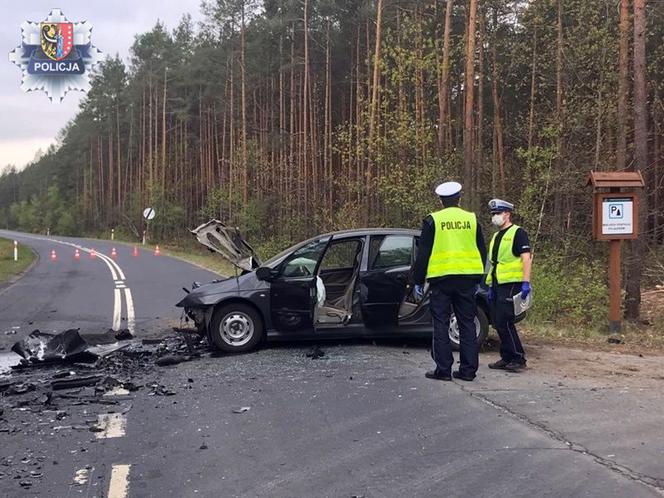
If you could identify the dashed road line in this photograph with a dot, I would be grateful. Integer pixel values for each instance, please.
(119, 484)
(81, 476)
(112, 425)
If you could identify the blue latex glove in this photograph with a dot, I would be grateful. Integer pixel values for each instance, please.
(419, 291)
(489, 294)
(525, 290)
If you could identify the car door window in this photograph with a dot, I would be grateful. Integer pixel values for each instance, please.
(341, 254)
(303, 262)
(391, 251)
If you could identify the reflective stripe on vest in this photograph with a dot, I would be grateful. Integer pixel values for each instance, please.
(509, 268)
(454, 250)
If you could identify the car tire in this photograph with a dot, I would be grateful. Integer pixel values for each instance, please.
(235, 328)
(481, 328)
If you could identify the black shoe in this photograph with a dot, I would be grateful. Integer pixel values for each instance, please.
(515, 366)
(499, 365)
(436, 375)
(458, 375)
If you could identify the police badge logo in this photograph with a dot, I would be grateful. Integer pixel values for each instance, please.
(57, 39)
(55, 56)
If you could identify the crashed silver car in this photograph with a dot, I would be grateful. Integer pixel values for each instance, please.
(353, 283)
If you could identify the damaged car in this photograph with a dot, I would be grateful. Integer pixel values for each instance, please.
(352, 283)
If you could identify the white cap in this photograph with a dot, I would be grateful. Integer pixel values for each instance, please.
(448, 189)
(499, 205)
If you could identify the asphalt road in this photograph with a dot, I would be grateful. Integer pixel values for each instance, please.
(360, 421)
(91, 293)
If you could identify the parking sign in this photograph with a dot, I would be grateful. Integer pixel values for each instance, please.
(617, 216)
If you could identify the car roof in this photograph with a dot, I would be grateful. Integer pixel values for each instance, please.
(359, 232)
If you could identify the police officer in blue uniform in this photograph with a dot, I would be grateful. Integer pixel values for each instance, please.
(451, 257)
(509, 275)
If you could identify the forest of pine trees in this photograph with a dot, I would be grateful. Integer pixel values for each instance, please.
(292, 117)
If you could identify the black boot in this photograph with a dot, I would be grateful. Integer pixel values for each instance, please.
(460, 376)
(437, 375)
(515, 365)
(499, 365)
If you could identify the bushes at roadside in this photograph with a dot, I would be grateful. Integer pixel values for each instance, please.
(569, 292)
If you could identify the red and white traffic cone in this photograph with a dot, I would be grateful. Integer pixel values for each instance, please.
(93, 254)
(157, 252)
(114, 253)
(54, 257)
(135, 253)
(77, 255)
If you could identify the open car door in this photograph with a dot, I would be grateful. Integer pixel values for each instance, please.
(293, 291)
(227, 242)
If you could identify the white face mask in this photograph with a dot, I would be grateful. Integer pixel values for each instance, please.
(498, 219)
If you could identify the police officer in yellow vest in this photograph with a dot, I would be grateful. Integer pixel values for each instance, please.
(509, 275)
(451, 257)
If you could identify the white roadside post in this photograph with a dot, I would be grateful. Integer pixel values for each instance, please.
(112, 233)
(15, 250)
(148, 214)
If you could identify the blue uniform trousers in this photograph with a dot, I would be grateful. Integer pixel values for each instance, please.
(458, 295)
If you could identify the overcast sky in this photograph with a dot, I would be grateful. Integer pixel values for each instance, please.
(29, 121)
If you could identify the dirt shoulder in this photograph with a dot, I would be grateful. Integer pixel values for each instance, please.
(599, 368)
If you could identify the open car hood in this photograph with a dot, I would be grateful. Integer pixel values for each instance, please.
(229, 243)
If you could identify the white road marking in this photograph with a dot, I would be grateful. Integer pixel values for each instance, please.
(131, 325)
(117, 310)
(118, 277)
(111, 424)
(119, 484)
(81, 477)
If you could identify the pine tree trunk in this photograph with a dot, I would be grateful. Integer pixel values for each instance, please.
(623, 70)
(638, 246)
(469, 89)
(444, 131)
(558, 201)
(499, 154)
(245, 175)
(531, 114)
(480, 115)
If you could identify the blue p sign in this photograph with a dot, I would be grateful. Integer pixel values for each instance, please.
(616, 211)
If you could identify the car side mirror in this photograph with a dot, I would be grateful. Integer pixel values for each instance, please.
(265, 273)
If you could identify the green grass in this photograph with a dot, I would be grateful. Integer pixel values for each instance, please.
(200, 257)
(190, 251)
(8, 267)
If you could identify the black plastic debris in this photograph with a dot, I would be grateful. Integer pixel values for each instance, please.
(160, 390)
(123, 335)
(171, 359)
(19, 389)
(315, 353)
(74, 382)
(41, 347)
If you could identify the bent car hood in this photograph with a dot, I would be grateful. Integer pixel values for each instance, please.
(229, 243)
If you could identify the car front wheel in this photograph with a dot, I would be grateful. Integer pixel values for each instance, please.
(235, 328)
(481, 328)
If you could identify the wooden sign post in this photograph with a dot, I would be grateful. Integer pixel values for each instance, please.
(615, 218)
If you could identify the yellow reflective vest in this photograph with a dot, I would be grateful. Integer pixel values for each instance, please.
(454, 250)
(509, 268)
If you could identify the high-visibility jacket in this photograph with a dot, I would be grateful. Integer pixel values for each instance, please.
(508, 267)
(454, 250)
